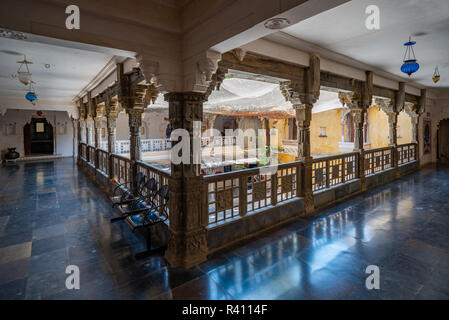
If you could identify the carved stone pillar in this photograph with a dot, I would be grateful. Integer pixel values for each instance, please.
(393, 138)
(97, 138)
(111, 122)
(303, 119)
(135, 154)
(392, 128)
(187, 244)
(302, 95)
(77, 137)
(81, 133)
(414, 121)
(88, 133)
(135, 122)
(267, 137)
(359, 120)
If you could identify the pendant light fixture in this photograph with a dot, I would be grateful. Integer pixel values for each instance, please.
(24, 75)
(31, 94)
(410, 65)
(436, 75)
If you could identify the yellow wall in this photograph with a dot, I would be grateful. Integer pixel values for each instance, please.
(282, 126)
(332, 121)
(404, 128)
(378, 130)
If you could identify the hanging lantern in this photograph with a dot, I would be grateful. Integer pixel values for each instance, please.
(410, 65)
(24, 76)
(31, 95)
(436, 75)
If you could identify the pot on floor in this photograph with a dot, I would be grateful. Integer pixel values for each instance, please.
(12, 154)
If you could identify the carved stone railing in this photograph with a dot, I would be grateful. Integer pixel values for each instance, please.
(121, 168)
(218, 141)
(83, 151)
(407, 153)
(103, 161)
(122, 146)
(377, 160)
(330, 171)
(147, 145)
(238, 193)
(154, 145)
(104, 145)
(91, 155)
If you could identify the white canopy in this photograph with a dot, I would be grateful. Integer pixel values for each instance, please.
(244, 95)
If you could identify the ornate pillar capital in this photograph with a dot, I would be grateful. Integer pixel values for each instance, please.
(351, 99)
(295, 93)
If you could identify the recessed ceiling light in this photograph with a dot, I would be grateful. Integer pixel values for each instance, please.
(47, 66)
(420, 34)
(277, 23)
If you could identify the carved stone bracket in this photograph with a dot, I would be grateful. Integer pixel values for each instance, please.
(200, 71)
(239, 54)
(351, 100)
(150, 70)
(411, 109)
(385, 104)
(216, 81)
(307, 91)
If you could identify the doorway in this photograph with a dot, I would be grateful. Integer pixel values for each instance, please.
(38, 137)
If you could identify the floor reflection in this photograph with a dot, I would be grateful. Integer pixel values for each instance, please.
(52, 215)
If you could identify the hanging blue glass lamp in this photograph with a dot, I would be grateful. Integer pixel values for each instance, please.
(31, 95)
(410, 65)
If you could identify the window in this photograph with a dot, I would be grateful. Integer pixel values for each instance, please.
(323, 132)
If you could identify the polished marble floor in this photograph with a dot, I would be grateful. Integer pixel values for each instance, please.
(52, 216)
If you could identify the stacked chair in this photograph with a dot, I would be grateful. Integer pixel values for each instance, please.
(143, 211)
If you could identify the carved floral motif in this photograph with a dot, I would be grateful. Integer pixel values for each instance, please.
(259, 191)
(224, 200)
(286, 184)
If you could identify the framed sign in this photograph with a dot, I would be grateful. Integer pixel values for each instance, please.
(427, 136)
(40, 127)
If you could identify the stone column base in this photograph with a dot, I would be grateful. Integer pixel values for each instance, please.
(186, 249)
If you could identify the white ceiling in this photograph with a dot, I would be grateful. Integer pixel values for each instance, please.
(342, 30)
(70, 70)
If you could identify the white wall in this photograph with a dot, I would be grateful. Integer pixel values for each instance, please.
(11, 130)
(436, 110)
